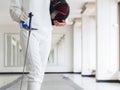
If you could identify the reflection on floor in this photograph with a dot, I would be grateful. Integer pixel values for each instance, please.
(52, 82)
(8, 80)
(90, 83)
(63, 82)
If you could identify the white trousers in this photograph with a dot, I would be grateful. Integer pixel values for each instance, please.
(37, 57)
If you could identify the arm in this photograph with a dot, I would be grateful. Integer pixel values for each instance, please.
(15, 10)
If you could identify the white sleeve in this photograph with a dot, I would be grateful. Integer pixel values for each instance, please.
(15, 10)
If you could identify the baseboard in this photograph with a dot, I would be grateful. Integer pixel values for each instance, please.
(88, 75)
(62, 72)
(14, 72)
(45, 72)
(108, 81)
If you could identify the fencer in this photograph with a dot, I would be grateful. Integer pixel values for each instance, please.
(40, 40)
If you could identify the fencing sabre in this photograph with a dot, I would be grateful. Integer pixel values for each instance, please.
(29, 28)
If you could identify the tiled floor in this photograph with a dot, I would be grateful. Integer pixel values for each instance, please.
(86, 83)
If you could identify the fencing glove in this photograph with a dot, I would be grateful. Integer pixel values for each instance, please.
(24, 17)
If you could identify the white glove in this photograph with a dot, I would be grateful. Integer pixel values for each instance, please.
(24, 17)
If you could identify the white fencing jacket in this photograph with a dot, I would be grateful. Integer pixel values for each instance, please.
(39, 8)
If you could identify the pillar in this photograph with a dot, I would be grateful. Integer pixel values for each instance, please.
(88, 44)
(107, 40)
(77, 46)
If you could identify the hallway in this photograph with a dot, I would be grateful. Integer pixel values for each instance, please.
(85, 53)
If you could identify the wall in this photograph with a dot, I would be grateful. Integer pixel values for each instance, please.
(64, 64)
(6, 29)
(64, 56)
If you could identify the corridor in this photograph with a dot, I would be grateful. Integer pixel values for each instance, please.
(84, 55)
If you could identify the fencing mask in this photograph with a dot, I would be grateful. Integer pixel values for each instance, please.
(59, 10)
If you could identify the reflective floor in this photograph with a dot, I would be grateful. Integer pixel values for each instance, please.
(90, 83)
(8, 80)
(59, 82)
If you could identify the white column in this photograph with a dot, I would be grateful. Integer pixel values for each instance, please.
(88, 44)
(2, 62)
(55, 55)
(63, 50)
(77, 46)
(107, 40)
(59, 54)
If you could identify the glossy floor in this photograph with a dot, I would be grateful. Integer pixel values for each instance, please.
(84, 82)
(90, 83)
(51, 82)
(6, 80)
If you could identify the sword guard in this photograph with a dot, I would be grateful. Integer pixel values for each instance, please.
(26, 26)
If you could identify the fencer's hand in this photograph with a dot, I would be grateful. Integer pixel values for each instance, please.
(56, 23)
(24, 17)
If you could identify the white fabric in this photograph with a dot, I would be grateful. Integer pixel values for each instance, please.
(34, 85)
(40, 40)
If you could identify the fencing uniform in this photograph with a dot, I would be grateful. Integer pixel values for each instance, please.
(40, 40)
